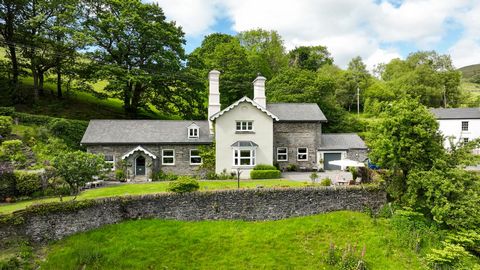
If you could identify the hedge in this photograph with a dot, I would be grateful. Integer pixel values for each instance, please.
(265, 174)
(5, 125)
(263, 167)
(8, 111)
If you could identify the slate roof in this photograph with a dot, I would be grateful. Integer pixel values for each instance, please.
(456, 113)
(341, 141)
(306, 112)
(144, 132)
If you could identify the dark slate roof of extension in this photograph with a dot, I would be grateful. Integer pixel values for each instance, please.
(144, 132)
(341, 141)
(456, 113)
(305, 112)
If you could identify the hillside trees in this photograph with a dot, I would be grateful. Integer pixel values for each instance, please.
(310, 57)
(427, 76)
(224, 53)
(265, 50)
(11, 21)
(136, 49)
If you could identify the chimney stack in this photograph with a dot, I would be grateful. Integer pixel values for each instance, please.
(213, 95)
(259, 91)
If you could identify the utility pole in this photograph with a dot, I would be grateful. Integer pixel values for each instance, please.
(444, 96)
(358, 100)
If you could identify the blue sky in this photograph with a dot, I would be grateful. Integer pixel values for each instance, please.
(376, 30)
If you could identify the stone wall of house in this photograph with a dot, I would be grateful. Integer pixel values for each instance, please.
(182, 157)
(293, 135)
(42, 223)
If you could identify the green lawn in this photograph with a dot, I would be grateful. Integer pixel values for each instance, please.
(295, 243)
(148, 188)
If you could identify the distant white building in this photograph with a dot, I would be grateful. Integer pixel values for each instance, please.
(458, 125)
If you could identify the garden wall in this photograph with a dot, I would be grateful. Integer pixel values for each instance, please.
(56, 220)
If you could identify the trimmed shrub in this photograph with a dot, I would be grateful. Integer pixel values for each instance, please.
(326, 182)
(183, 184)
(5, 125)
(7, 181)
(28, 183)
(264, 167)
(265, 174)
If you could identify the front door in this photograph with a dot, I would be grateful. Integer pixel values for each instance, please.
(140, 165)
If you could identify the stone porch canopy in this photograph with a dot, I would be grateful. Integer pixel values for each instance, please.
(139, 149)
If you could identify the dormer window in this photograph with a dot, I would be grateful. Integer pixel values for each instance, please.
(244, 126)
(193, 131)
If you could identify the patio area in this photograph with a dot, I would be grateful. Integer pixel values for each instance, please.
(335, 176)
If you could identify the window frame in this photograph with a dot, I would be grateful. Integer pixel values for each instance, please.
(245, 126)
(283, 154)
(237, 157)
(196, 132)
(465, 125)
(306, 153)
(466, 140)
(164, 156)
(196, 156)
(110, 161)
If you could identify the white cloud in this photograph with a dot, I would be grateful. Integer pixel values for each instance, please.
(466, 51)
(195, 16)
(347, 27)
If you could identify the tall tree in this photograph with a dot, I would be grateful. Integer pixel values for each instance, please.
(265, 50)
(134, 47)
(352, 82)
(310, 57)
(406, 139)
(224, 53)
(11, 18)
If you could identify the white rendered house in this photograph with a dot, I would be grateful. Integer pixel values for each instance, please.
(458, 125)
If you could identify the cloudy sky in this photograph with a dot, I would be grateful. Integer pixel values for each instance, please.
(376, 30)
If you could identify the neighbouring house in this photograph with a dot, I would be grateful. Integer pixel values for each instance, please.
(458, 125)
(246, 133)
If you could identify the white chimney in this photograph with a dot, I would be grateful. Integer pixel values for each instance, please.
(259, 91)
(213, 95)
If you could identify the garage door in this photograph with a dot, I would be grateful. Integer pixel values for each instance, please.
(330, 157)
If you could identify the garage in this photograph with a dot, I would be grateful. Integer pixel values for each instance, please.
(330, 157)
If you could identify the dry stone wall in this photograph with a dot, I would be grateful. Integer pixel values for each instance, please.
(55, 221)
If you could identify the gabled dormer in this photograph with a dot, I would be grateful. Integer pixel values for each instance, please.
(193, 131)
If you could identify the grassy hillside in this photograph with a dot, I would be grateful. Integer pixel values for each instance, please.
(80, 105)
(296, 243)
(469, 71)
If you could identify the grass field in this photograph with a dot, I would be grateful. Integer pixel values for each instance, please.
(149, 188)
(295, 243)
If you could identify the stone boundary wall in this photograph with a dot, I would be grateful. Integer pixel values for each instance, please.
(53, 221)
